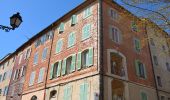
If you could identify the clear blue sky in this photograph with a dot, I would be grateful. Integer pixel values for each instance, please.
(36, 14)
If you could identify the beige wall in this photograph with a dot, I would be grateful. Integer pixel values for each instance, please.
(75, 85)
(163, 56)
(8, 69)
(39, 94)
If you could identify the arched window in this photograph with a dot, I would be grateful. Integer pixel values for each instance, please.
(53, 94)
(34, 97)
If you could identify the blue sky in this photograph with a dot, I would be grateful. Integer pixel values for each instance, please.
(36, 14)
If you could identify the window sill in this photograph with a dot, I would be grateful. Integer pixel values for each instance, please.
(85, 17)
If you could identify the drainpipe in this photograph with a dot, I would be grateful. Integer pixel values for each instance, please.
(48, 68)
(101, 50)
(152, 63)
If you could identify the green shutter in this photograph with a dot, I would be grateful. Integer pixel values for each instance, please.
(64, 67)
(86, 92)
(81, 92)
(79, 61)
(73, 20)
(73, 63)
(59, 68)
(90, 60)
(137, 67)
(86, 31)
(69, 93)
(61, 27)
(65, 93)
(51, 71)
(145, 70)
(143, 96)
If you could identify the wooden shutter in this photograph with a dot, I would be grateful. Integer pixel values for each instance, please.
(137, 67)
(69, 93)
(86, 92)
(64, 67)
(90, 55)
(73, 62)
(51, 71)
(73, 20)
(41, 75)
(79, 61)
(59, 68)
(61, 27)
(81, 92)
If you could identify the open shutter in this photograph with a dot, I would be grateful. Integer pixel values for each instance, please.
(90, 55)
(64, 67)
(145, 71)
(73, 62)
(137, 67)
(51, 71)
(79, 61)
(59, 68)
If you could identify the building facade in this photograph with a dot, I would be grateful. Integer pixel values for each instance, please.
(18, 75)
(6, 67)
(97, 51)
(158, 41)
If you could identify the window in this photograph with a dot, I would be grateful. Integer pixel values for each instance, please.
(152, 42)
(137, 45)
(115, 34)
(140, 69)
(73, 20)
(32, 77)
(23, 69)
(67, 93)
(114, 15)
(27, 54)
(5, 90)
(155, 60)
(61, 28)
(59, 45)
(87, 12)
(162, 97)
(85, 59)
(53, 94)
(168, 66)
(71, 39)
(49, 35)
(44, 53)
(41, 75)
(55, 70)
(86, 31)
(36, 58)
(159, 81)
(4, 76)
(37, 43)
(20, 58)
(134, 26)
(144, 96)
(43, 39)
(69, 64)
(84, 91)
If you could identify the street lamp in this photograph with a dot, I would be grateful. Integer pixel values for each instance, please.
(15, 21)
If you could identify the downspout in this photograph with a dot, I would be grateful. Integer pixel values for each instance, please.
(152, 63)
(101, 69)
(48, 63)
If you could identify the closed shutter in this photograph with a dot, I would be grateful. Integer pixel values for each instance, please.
(61, 27)
(90, 55)
(51, 71)
(73, 62)
(137, 67)
(86, 31)
(86, 91)
(81, 92)
(65, 93)
(41, 75)
(79, 61)
(59, 45)
(32, 77)
(69, 92)
(59, 68)
(64, 67)
(73, 19)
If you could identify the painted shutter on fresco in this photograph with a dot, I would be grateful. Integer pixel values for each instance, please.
(61, 27)
(86, 91)
(69, 92)
(79, 61)
(73, 62)
(64, 67)
(59, 68)
(81, 92)
(137, 67)
(90, 55)
(51, 71)
(73, 19)
(41, 75)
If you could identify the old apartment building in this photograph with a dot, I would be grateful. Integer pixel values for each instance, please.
(97, 51)
(6, 66)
